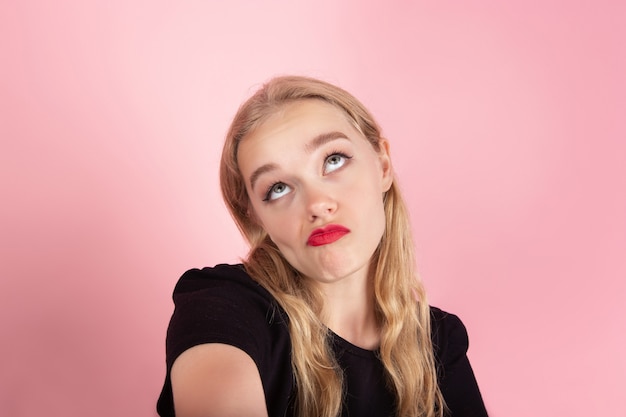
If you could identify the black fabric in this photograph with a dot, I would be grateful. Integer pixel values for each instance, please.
(224, 305)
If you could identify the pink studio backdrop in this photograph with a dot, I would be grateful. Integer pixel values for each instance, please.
(507, 122)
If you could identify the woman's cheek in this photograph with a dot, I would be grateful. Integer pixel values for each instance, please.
(279, 229)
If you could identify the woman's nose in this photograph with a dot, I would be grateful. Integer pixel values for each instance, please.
(319, 203)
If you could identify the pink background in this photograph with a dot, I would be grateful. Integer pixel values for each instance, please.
(507, 123)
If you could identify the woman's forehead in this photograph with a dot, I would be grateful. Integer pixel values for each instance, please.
(296, 131)
(301, 117)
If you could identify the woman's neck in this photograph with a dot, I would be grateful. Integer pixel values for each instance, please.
(348, 311)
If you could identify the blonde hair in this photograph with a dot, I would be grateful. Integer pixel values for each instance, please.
(400, 304)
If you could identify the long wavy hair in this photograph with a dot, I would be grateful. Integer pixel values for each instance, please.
(400, 303)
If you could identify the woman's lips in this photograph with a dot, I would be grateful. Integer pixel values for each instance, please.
(326, 235)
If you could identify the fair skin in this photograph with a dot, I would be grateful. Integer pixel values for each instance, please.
(217, 380)
(306, 168)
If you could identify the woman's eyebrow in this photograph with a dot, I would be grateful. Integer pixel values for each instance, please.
(260, 171)
(310, 146)
(322, 139)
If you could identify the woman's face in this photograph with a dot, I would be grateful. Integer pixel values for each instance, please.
(316, 187)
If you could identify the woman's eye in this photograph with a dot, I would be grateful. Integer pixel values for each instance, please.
(334, 161)
(276, 190)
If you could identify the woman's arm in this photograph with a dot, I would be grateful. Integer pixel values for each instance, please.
(217, 380)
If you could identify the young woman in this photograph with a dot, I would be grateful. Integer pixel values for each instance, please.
(325, 317)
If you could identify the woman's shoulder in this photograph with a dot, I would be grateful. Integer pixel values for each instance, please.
(443, 320)
(221, 275)
(223, 295)
(448, 332)
(224, 281)
(222, 304)
(455, 375)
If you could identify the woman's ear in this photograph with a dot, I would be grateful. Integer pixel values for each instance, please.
(385, 164)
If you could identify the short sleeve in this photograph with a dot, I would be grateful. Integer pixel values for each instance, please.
(223, 304)
(456, 378)
(218, 305)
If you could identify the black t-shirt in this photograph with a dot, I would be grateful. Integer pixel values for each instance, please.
(224, 305)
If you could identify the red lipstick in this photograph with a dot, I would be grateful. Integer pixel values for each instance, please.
(326, 235)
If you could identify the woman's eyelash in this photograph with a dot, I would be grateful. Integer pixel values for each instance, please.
(268, 190)
(338, 153)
